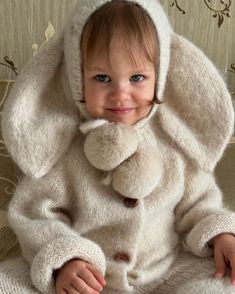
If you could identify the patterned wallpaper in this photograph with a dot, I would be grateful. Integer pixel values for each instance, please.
(210, 24)
(26, 25)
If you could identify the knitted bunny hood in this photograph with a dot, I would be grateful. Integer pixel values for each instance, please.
(43, 113)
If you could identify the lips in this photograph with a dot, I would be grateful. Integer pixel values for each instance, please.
(120, 110)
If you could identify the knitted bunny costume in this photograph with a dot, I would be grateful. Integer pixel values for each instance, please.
(124, 198)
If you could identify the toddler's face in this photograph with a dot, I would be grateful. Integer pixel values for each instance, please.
(116, 89)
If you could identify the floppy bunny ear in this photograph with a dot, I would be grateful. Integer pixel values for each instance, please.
(197, 113)
(39, 121)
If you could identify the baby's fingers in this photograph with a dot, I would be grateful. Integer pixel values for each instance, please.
(220, 265)
(80, 286)
(97, 274)
(232, 265)
(86, 275)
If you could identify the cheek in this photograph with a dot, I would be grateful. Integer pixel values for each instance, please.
(146, 90)
(92, 90)
(146, 96)
(150, 93)
(94, 101)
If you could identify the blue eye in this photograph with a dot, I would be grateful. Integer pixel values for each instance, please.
(102, 78)
(137, 78)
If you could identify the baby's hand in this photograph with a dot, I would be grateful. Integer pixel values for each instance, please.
(78, 276)
(224, 252)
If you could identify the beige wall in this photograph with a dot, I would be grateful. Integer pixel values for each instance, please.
(199, 26)
(25, 22)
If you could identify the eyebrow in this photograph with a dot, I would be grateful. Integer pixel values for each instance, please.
(99, 69)
(96, 69)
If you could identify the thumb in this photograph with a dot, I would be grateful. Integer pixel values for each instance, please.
(220, 265)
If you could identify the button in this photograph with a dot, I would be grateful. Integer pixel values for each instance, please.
(121, 257)
(130, 202)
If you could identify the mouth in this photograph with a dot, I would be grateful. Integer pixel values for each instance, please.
(120, 110)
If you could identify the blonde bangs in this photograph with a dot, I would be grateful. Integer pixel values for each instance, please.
(123, 22)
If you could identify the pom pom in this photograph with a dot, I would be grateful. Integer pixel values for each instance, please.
(138, 175)
(107, 146)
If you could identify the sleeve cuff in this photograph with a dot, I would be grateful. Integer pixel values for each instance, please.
(56, 253)
(198, 239)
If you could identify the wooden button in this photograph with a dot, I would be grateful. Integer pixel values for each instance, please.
(130, 202)
(121, 257)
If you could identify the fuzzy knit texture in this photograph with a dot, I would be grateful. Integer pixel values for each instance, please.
(188, 274)
(130, 202)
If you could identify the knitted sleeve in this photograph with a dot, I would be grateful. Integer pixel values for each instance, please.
(200, 215)
(41, 215)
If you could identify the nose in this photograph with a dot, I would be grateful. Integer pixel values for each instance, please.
(119, 92)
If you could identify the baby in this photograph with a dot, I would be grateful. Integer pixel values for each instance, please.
(118, 127)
